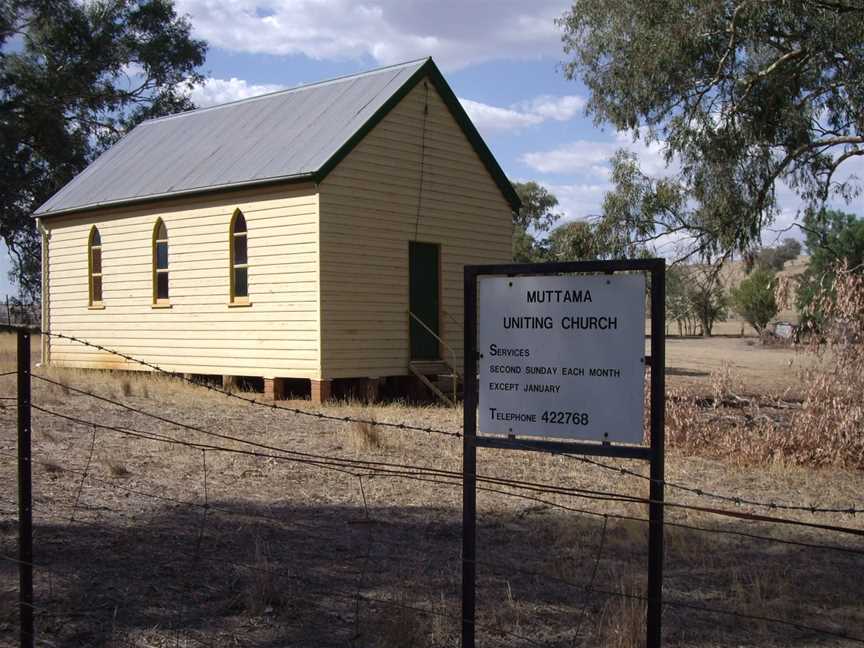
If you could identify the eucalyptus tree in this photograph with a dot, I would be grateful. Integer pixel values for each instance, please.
(537, 215)
(743, 95)
(74, 77)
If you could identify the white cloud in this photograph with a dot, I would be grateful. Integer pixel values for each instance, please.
(652, 159)
(454, 32)
(490, 119)
(493, 119)
(591, 158)
(561, 108)
(219, 91)
(579, 201)
(576, 157)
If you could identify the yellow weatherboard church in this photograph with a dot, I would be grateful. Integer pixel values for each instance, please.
(313, 237)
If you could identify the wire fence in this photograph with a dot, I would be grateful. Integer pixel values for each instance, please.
(14, 313)
(156, 524)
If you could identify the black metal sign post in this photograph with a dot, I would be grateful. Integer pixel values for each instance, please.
(653, 453)
(25, 494)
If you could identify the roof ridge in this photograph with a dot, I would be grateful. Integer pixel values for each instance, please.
(305, 86)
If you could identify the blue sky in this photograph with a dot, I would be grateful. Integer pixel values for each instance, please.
(501, 57)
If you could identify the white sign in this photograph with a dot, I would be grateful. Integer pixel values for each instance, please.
(562, 356)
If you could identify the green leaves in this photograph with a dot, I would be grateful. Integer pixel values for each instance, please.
(538, 207)
(753, 299)
(74, 77)
(835, 240)
(538, 215)
(573, 241)
(742, 93)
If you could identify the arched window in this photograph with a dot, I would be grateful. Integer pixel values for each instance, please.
(239, 260)
(94, 265)
(160, 263)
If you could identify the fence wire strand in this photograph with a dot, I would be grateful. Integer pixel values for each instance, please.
(366, 471)
(699, 492)
(409, 471)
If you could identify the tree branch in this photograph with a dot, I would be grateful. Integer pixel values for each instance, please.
(840, 160)
(764, 72)
(790, 157)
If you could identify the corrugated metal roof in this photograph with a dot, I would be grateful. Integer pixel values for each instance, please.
(291, 134)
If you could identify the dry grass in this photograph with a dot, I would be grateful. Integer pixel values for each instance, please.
(116, 467)
(261, 590)
(693, 364)
(397, 624)
(823, 428)
(829, 429)
(364, 436)
(51, 467)
(286, 546)
(289, 577)
(622, 620)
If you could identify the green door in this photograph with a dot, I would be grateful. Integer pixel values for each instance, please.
(423, 299)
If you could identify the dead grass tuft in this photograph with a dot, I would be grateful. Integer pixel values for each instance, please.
(725, 385)
(363, 436)
(116, 467)
(828, 429)
(260, 590)
(398, 625)
(622, 621)
(758, 591)
(51, 467)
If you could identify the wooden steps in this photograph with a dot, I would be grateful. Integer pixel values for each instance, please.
(442, 372)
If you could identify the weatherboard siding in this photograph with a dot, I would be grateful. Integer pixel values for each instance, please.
(369, 213)
(277, 336)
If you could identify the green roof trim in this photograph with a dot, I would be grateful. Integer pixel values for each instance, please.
(112, 180)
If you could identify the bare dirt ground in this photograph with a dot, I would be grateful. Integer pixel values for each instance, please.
(293, 553)
(692, 361)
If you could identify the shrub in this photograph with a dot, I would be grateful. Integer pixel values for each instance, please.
(754, 299)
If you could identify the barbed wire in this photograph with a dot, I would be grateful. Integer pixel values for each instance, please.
(270, 518)
(353, 595)
(364, 469)
(412, 471)
(255, 401)
(409, 470)
(458, 484)
(699, 492)
(423, 473)
(453, 479)
(590, 587)
(374, 467)
(733, 499)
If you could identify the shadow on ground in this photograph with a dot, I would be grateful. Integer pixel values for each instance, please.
(270, 576)
(680, 371)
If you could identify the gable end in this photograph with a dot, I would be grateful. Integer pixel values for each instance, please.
(430, 70)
